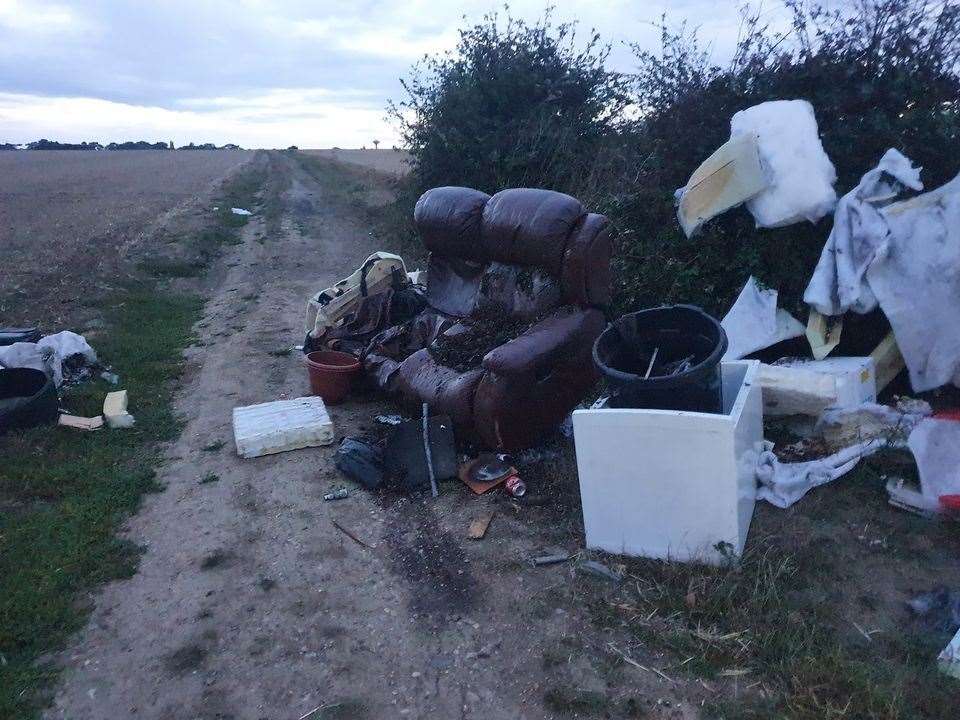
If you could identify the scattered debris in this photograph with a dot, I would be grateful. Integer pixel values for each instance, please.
(341, 494)
(361, 461)
(754, 322)
(63, 355)
(389, 419)
(597, 569)
(485, 472)
(281, 425)
(80, 423)
(550, 559)
(240, 211)
(478, 527)
(115, 410)
(110, 377)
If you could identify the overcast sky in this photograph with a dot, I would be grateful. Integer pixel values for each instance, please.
(259, 73)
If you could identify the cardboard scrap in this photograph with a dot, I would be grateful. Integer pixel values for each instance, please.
(478, 528)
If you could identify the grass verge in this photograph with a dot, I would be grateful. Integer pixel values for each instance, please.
(63, 493)
(808, 625)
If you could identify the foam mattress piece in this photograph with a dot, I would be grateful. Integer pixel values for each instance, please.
(282, 425)
(799, 172)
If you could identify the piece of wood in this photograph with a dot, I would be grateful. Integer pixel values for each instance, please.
(478, 528)
(350, 535)
(822, 342)
(81, 423)
(887, 360)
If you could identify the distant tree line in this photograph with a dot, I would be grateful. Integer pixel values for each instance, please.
(129, 145)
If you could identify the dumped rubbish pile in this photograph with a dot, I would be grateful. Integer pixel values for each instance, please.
(34, 369)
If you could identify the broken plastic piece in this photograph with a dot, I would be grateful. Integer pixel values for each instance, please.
(115, 410)
(754, 322)
(275, 427)
(240, 211)
(730, 176)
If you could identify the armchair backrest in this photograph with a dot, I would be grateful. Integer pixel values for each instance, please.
(527, 250)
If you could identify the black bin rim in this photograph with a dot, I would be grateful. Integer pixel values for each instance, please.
(693, 374)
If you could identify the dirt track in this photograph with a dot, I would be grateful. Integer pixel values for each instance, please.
(249, 603)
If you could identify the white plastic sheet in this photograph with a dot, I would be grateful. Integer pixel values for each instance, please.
(755, 322)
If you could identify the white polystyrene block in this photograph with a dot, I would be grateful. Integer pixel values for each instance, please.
(282, 425)
(810, 387)
(672, 484)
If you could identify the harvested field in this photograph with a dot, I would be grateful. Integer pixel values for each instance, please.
(66, 214)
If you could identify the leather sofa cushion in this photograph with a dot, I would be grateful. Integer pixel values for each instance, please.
(448, 220)
(528, 226)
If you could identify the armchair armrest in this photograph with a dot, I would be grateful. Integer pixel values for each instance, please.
(546, 341)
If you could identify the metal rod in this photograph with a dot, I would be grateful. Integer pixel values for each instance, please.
(653, 359)
(426, 450)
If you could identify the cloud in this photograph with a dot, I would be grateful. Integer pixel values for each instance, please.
(267, 70)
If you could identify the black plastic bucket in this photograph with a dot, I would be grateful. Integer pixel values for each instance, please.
(685, 346)
(28, 397)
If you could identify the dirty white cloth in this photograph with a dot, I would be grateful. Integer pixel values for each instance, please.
(903, 256)
(755, 322)
(48, 354)
(782, 484)
(935, 445)
(800, 172)
(859, 235)
(846, 426)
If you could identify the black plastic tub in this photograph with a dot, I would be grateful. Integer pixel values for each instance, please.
(685, 346)
(28, 397)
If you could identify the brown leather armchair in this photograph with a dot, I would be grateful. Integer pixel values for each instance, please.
(531, 255)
